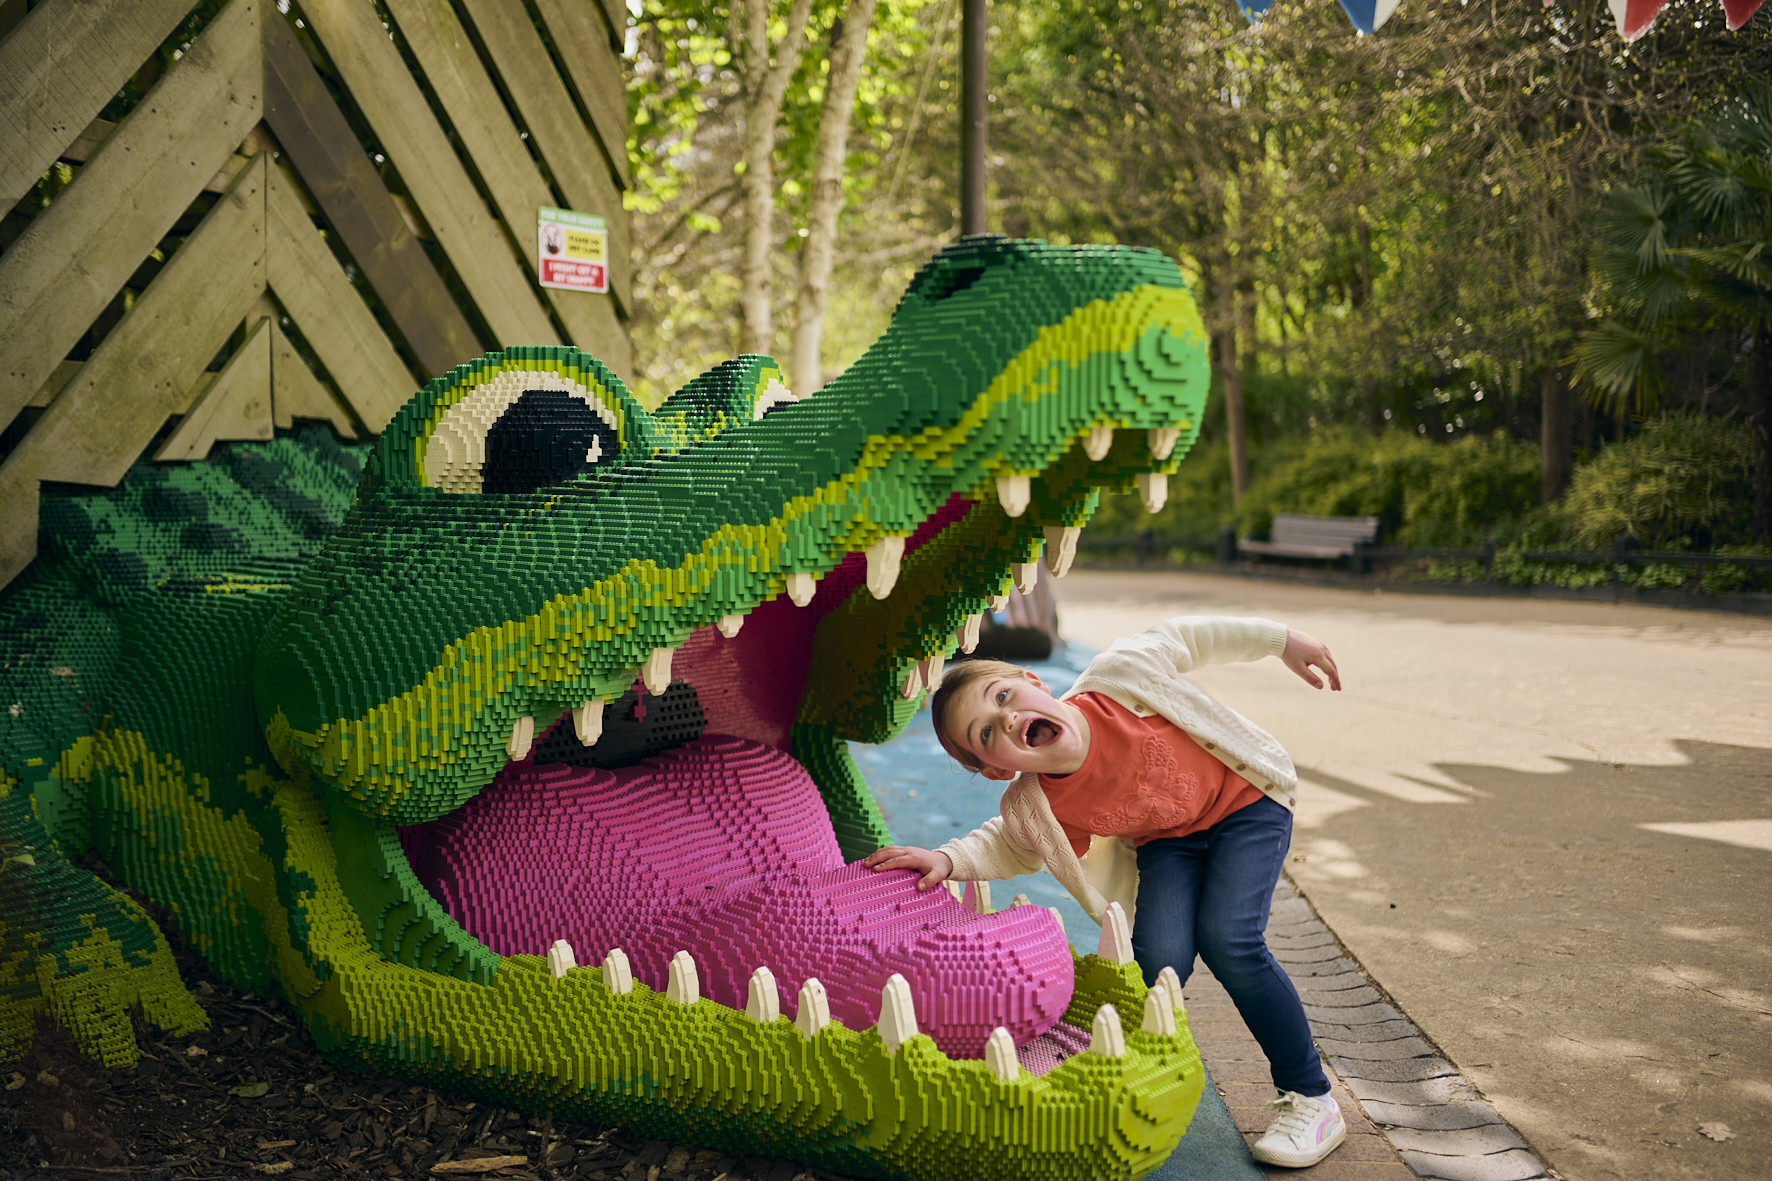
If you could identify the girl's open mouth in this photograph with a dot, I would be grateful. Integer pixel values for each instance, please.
(1040, 732)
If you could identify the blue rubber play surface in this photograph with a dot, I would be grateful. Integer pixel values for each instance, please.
(928, 799)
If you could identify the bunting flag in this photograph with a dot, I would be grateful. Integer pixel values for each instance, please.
(1369, 15)
(1633, 16)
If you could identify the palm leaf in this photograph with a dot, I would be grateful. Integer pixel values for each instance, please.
(1619, 364)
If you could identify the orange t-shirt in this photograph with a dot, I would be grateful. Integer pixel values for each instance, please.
(1143, 778)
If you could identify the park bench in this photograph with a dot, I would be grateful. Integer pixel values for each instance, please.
(1295, 535)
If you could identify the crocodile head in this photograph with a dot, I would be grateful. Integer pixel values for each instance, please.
(574, 670)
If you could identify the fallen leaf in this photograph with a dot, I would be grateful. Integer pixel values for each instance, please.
(1717, 1131)
(484, 1165)
(196, 1052)
(15, 1082)
(282, 1166)
(250, 1090)
(47, 1079)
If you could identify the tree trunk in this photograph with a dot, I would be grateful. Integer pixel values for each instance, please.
(1760, 424)
(1556, 435)
(1235, 427)
(764, 89)
(820, 245)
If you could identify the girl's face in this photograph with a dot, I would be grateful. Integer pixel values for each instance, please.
(1013, 724)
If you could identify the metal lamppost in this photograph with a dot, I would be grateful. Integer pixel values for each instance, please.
(972, 105)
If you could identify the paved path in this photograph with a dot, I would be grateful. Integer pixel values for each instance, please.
(1545, 830)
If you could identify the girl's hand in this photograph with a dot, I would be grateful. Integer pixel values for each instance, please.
(1302, 652)
(934, 866)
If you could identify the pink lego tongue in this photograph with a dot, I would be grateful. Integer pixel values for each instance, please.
(722, 847)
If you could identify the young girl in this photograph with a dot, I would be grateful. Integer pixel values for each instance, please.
(1137, 757)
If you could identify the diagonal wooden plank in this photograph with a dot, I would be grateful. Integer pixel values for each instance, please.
(236, 406)
(582, 37)
(330, 161)
(297, 393)
(574, 154)
(478, 116)
(73, 259)
(58, 70)
(371, 67)
(144, 369)
(331, 315)
(615, 12)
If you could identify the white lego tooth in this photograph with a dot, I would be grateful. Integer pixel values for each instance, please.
(1162, 440)
(587, 722)
(968, 634)
(957, 889)
(560, 959)
(1061, 548)
(1026, 574)
(521, 739)
(801, 587)
(1020, 900)
(913, 682)
(762, 1004)
(1014, 493)
(656, 672)
(999, 1055)
(1107, 1038)
(978, 897)
(618, 977)
(929, 670)
(815, 1009)
(729, 625)
(1057, 918)
(883, 558)
(999, 603)
(1153, 488)
(1097, 442)
(684, 986)
(1159, 1013)
(898, 1015)
(1169, 979)
(1116, 936)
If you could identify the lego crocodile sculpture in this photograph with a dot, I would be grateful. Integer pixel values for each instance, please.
(402, 731)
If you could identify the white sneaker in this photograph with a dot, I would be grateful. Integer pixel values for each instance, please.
(1304, 1131)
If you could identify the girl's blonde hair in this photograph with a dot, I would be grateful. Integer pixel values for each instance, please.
(945, 698)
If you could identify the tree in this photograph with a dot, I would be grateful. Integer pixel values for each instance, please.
(818, 247)
(765, 85)
(1693, 239)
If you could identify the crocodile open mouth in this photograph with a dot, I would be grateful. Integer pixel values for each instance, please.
(687, 826)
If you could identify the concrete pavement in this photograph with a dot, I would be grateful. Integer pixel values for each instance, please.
(1545, 830)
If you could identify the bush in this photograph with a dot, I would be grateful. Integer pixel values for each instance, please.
(1424, 494)
(1685, 483)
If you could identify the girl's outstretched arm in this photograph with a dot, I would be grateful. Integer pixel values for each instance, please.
(934, 865)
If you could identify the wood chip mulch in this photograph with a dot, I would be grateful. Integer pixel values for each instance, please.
(251, 1096)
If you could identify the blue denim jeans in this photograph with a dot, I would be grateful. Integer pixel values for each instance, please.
(1209, 892)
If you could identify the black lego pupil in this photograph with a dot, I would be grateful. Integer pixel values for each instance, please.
(546, 436)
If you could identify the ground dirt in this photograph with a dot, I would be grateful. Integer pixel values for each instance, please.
(251, 1096)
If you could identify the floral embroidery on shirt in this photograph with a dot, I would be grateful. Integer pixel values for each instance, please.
(1164, 799)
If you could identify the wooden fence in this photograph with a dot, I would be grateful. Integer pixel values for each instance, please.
(318, 206)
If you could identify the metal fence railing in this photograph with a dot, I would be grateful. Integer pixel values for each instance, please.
(1149, 546)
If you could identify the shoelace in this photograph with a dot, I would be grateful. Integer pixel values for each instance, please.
(1290, 1115)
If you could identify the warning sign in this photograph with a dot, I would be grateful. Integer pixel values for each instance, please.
(571, 250)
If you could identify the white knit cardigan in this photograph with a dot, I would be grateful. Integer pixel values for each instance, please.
(1144, 673)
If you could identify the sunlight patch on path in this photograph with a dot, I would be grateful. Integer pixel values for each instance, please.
(1748, 834)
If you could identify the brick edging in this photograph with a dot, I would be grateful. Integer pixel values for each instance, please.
(1436, 1119)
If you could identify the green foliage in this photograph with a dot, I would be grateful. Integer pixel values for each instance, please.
(1688, 245)
(1684, 483)
(1424, 494)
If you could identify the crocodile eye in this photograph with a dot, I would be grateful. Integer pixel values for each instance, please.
(775, 394)
(519, 432)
